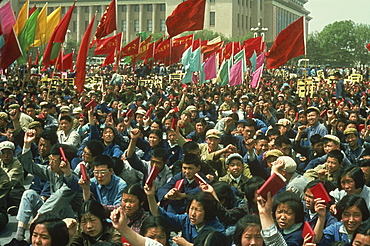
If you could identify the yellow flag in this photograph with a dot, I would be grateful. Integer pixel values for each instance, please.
(40, 28)
(46, 26)
(22, 18)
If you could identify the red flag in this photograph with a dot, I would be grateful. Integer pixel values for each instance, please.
(144, 47)
(131, 48)
(236, 47)
(150, 51)
(106, 45)
(162, 50)
(81, 57)
(57, 38)
(288, 44)
(211, 47)
(66, 62)
(228, 51)
(188, 40)
(251, 45)
(177, 52)
(368, 46)
(107, 23)
(30, 12)
(187, 16)
(10, 51)
(109, 59)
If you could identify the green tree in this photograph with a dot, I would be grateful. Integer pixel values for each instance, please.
(341, 43)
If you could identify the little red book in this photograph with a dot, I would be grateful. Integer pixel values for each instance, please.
(273, 184)
(307, 229)
(62, 154)
(129, 113)
(319, 191)
(83, 172)
(91, 104)
(199, 179)
(174, 123)
(152, 175)
(179, 185)
(149, 112)
(176, 109)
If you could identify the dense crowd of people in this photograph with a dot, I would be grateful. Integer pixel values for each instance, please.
(124, 163)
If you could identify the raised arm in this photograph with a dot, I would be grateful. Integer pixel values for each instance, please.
(150, 193)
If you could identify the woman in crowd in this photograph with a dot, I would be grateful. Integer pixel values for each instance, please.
(94, 226)
(48, 230)
(201, 214)
(156, 228)
(133, 203)
(351, 211)
(248, 231)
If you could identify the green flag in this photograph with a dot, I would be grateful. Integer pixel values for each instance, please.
(253, 60)
(188, 75)
(27, 35)
(241, 56)
(223, 74)
(185, 59)
(201, 74)
(195, 60)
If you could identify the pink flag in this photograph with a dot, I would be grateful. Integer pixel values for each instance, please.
(210, 68)
(260, 60)
(256, 76)
(236, 74)
(7, 19)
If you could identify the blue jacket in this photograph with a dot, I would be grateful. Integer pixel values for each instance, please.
(332, 233)
(182, 222)
(178, 206)
(107, 195)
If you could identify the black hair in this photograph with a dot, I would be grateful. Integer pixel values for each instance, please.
(363, 163)
(137, 191)
(189, 146)
(209, 204)
(337, 154)
(160, 152)
(200, 120)
(155, 222)
(159, 122)
(96, 147)
(190, 158)
(316, 138)
(67, 118)
(225, 194)
(355, 173)
(280, 140)
(273, 132)
(159, 134)
(363, 229)
(69, 150)
(260, 138)
(211, 237)
(293, 201)
(103, 160)
(251, 123)
(249, 189)
(95, 208)
(352, 200)
(55, 226)
(245, 222)
(50, 136)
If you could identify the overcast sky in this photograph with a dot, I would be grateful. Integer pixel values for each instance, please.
(325, 12)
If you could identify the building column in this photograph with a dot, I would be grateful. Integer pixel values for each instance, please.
(80, 23)
(141, 18)
(155, 18)
(129, 23)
